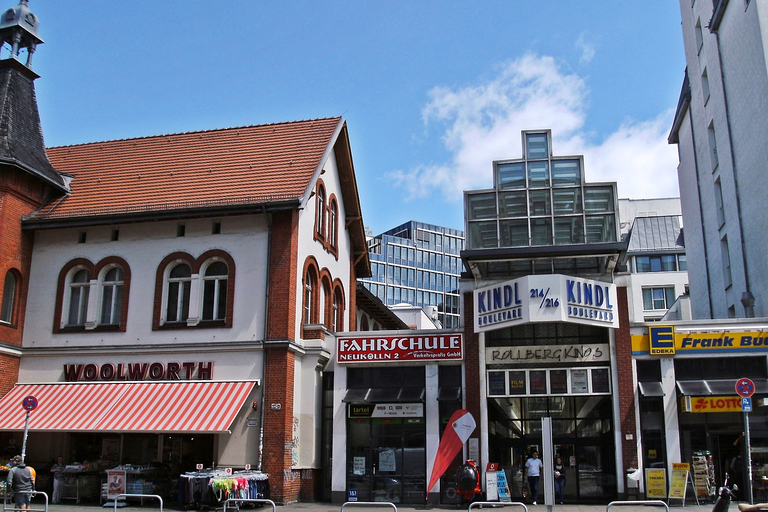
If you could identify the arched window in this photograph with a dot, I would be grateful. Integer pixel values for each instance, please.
(333, 228)
(338, 311)
(112, 296)
(79, 289)
(320, 217)
(179, 287)
(215, 291)
(310, 286)
(10, 287)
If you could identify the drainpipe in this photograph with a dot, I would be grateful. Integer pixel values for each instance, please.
(264, 340)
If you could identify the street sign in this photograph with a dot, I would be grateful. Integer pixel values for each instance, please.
(29, 403)
(745, 388)
(746, 405)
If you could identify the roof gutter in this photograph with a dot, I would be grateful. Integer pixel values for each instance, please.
(156, 215)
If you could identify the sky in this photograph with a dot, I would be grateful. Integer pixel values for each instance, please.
(432, 91)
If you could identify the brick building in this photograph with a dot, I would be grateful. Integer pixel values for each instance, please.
(183, 286)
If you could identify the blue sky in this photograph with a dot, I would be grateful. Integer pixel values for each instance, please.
(432, 91)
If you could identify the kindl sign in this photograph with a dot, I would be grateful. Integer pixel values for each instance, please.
(546, 298)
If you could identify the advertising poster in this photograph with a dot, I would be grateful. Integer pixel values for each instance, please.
(387, 459)
(677, 485)
(115, 484)
(656, 483)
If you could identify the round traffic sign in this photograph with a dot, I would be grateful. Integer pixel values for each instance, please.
(745, 388)
(29, 403)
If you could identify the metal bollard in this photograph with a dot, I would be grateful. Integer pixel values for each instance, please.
(249, 500)
(138, 496)
(497, 504)
(369, 504)
(657, 503)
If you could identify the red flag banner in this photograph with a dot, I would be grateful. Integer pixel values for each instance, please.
(459, 428)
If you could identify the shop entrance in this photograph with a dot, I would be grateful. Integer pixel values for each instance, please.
(581, 434)
(387, 460)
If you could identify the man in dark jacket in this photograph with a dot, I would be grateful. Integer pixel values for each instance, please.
(21, 482)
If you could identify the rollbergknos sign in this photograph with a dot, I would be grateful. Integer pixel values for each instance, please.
(546, 298)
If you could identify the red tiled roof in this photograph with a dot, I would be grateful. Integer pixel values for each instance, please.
(234, 166)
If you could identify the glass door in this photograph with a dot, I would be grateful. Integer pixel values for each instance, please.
(387, 460)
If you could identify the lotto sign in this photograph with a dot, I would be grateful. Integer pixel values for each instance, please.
(745, 388)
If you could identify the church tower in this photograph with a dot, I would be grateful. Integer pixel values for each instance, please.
(27, 178)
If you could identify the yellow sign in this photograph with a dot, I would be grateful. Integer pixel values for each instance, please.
(656, 483)
(682, 466)
(711, 403)
(664, 340)
(678, 484)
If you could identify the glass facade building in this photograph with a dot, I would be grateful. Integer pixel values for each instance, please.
(540, 200)
(418, 264)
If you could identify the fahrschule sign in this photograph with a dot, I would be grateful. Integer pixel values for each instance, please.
(546, 298)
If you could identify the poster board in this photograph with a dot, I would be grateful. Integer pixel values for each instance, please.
(678, 482)
(503, 486)
(497, 487)
(656, 483)
(115, 484)
(492, 486)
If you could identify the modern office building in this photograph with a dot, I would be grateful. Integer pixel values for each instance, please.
(418, 264)
(720, 128)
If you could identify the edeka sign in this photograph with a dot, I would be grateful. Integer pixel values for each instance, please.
(546, 298)
(396, 349)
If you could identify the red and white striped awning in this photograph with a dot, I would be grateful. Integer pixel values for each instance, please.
(188, 406)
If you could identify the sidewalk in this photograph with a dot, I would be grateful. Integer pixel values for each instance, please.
(328, 507)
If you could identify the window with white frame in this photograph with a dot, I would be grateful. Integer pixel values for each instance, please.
(78, 292)
(320, 213)
(332, 224)
(215, 291)
(658, 299)
(112, 296)
(179, 286)
(10, 286)
(309, 289)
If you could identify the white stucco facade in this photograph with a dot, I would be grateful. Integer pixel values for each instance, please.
(720, 130)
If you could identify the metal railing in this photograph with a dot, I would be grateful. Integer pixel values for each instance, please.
(369, 504)
(497, 504)
(249, 500)
(138, 496)
(657, 503)
(32, 495)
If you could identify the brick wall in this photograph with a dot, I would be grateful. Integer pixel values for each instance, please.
(626, 389)
(9, 373)
(278, 423)
(472, 364)
(283, 256)
(279, 360)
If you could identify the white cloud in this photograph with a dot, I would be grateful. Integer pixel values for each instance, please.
(484, 123)
(586, 48)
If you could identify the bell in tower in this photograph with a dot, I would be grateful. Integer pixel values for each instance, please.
(19, 28)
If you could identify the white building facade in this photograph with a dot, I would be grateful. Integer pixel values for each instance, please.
(719, 128)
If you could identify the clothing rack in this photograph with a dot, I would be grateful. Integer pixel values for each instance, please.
(206, 488)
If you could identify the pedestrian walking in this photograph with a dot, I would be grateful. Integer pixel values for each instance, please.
(559, 480)
(533, 472)
(22, 483)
